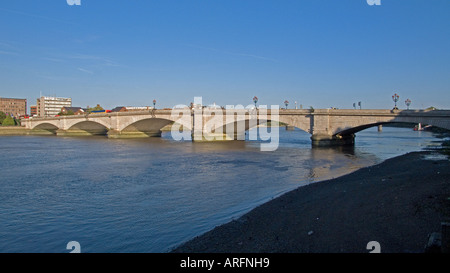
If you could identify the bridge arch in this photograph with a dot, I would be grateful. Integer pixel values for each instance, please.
(239, 127)
(45, 128)
(303, 122)
(89, 128)
(249, 126)
(144, 127)
(358, 128)
(147, 125)
(74, 123)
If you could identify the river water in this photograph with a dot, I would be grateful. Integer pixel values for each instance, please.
(150, 195)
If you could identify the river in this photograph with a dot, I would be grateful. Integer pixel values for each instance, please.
(150, 195)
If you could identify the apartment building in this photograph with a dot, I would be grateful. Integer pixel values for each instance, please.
(51, 106)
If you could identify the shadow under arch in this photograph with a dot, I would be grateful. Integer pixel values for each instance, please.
(87, 128)
(236, 130)
(354, 130)
(145, 127)
(44, 129)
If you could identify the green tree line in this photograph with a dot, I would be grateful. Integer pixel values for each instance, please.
(7, 120)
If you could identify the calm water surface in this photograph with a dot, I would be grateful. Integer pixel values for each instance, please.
(150, 195)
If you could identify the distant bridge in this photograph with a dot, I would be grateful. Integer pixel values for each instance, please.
(326, 126)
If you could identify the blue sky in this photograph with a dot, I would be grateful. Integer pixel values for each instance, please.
(321, 53)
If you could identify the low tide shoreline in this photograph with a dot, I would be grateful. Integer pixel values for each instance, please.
(397, 203)
(14, 131)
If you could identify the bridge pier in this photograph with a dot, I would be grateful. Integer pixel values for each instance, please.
(325, 140)
(133, 134)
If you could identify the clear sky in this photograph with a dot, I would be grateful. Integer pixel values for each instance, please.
(321, 53)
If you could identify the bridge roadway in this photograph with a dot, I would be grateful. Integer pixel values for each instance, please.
(326, 126)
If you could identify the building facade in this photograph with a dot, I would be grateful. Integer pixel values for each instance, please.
(33, 110)
(51, 106)
(73, 111)
(15, 107)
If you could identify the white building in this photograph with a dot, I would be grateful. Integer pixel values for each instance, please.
(51, 106)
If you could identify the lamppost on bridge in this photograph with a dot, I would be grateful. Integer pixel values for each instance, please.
(286, 102)
(255, 100)
(296, 105)
(354, 105)
(154, 104)
(359, 104)
(395, 98)
(408, 103)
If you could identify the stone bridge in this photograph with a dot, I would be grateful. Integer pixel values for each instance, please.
(326, 126)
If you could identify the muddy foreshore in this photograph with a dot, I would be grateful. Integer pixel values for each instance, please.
(397, 203)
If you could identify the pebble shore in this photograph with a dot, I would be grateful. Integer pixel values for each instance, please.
(397, 203)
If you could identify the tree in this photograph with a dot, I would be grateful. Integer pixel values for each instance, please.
(8, 121)
(431, 108)
(2, 117)
(96, 108)
(68, 113)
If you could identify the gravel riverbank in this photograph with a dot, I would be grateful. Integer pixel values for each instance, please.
(397, 203)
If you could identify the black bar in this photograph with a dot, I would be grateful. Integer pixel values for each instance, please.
(226, 262)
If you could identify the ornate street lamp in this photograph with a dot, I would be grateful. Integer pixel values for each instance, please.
(295, 104)
(255, 100)
(354, 105)
(286, 102)
(408, 103)
(395, 98)
(154, 104)
(359, 104)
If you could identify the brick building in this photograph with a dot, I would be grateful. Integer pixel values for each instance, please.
(15, 107)
(73, 110)
(33, 110)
